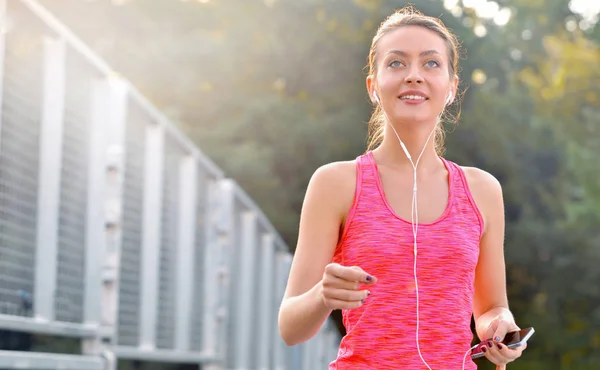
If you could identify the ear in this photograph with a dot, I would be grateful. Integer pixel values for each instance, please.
(453, 89)
(371, 88)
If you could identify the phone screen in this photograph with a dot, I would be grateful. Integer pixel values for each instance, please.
(514, 338)
(511, 340)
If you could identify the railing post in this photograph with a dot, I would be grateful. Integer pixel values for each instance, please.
(219, 239)
(210, 289)
(116, 92)
(226, 245)
(283, 260)
(103, 238)
(188, 175)
(51, 139)
(150, 266)
(95, 217)
(246, 310)
(266, 309)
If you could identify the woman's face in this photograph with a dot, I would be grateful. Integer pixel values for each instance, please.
(412, 79)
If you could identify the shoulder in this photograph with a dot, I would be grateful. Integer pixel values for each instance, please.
(486, 191)
(334, 185)
(481, 181)
(335, 173)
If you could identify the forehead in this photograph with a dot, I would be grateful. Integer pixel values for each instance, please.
(412, 40)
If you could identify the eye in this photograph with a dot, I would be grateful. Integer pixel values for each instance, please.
(395, 64)
(432, 63)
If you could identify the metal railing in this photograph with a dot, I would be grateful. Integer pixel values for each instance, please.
(117, 230)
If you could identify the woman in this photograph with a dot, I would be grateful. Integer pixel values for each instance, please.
(407, 244)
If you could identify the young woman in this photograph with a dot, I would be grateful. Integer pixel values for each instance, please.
(406, 243)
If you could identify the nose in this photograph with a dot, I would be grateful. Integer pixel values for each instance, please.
(413, 76)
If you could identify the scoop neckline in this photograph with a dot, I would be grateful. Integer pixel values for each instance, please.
(440, 218)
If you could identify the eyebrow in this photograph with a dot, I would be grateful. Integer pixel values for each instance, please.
(424, 53)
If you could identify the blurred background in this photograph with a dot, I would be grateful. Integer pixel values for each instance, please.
(269, 90)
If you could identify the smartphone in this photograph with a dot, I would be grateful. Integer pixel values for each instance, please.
(511, 340)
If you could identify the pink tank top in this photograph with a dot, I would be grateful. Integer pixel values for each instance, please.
(381, 333)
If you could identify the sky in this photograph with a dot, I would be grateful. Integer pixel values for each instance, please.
(588, 9)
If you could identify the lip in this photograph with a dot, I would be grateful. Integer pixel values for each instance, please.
(413, 92)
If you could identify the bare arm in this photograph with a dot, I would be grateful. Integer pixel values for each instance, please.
(490, 299)
(328, 198)
(493, 318)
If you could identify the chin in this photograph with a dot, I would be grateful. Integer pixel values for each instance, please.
(415, 118)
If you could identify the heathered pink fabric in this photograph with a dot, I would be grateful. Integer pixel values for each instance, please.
(381, 333)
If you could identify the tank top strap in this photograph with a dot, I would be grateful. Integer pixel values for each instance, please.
(454, 176)
(456, 181)
(366, 196)
(367, 175)
(462, 199)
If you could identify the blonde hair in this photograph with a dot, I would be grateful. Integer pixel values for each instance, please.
(409, 16)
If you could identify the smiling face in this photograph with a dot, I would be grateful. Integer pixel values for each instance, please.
(413, 74)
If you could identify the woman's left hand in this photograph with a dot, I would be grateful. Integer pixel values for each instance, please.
(494, 350)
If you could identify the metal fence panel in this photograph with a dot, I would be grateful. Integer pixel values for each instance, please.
(131, 247)
(168, 256)
(19, 162)
(73, 190)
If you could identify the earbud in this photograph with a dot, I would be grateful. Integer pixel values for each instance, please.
(375, 97)
(449, 98)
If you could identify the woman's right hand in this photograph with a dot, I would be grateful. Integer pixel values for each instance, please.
(340, 286)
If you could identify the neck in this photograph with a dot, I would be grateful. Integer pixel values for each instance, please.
(391, 153)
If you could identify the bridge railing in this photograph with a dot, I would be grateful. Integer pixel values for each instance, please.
(117, 230)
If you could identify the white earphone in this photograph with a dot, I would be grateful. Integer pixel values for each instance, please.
(415, 218)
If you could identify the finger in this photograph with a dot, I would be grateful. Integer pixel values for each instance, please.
(490, 351)
(499, 354)
(364, 276)
(495, 354)
(336, 304)
(354, 273)
(331, 281)
(484, 348)
(486, 352)
(346, 295)
(511, 354)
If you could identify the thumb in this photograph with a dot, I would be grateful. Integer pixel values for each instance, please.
(501, 330)
(364, 276)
